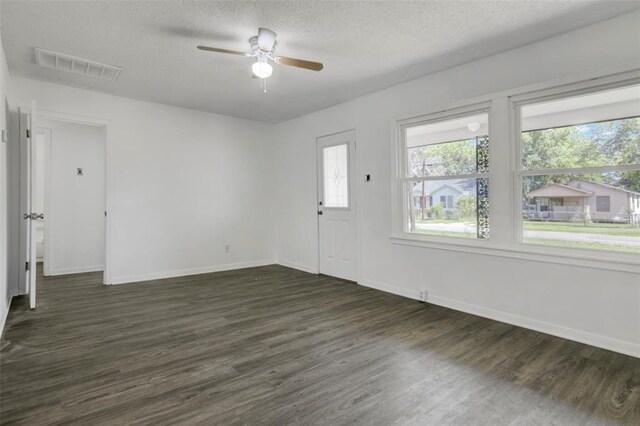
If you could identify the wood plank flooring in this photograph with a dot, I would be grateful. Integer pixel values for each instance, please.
(276, 346)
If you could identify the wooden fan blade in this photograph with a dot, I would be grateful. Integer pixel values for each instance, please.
(215, 49)
(314, 66)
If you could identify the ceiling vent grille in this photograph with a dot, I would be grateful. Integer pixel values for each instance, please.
(75, 65)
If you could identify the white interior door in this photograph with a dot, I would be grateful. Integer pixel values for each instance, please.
(337, 205)
(28, 200)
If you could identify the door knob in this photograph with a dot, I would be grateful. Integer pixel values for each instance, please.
(40, 216)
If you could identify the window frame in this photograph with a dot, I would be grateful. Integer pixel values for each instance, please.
(399, 196)
(516, 102)
(505, 211)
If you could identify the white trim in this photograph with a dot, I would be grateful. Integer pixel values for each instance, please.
(74, 118)
(448, 177)
(399, 174)
(389, 288)
(3, 320)
(109, 176)
(528, 252)
(598, 258)
(598, 340)
(298, 266)
(126, 279)
(511, 245)
(47, 196)
(76, 270)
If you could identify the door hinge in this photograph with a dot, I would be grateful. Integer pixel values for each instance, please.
(26, 266)
(28, 133)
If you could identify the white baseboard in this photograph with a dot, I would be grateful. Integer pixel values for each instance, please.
(76, 270)
(126, 279)
(4, 315)
(388, 288)
(609, 343)
(297, 266)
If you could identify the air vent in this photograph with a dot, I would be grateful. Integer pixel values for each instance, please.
(75, 65)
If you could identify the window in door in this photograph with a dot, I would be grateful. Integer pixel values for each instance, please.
(335, 161)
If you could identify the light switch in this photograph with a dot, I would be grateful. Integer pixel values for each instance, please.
(79, 171)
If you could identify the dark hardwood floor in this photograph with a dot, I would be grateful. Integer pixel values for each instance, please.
(272, 345)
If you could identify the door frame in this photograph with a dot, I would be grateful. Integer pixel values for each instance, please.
(354, 198)
(96, 122)
(47, 195)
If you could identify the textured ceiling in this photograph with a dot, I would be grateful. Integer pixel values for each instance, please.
(365, 46)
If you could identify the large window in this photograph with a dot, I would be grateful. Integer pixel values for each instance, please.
(580, 171)
(445, 165)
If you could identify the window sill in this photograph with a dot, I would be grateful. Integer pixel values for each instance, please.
(597, 260)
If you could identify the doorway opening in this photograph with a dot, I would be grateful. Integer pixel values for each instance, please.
(64, 183)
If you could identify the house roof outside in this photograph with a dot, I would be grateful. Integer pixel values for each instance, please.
(561, 190)
(458, 186)
(558, 190)
(607, 186)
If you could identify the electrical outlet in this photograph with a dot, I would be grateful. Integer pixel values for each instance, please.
(423, 295)
(227, 249)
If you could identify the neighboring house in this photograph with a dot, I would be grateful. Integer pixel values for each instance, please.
(584, 200)
(446, 195)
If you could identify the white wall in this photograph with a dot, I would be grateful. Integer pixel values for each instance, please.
(182, 183)
(5, 297)
(75, 212)
(597, 306)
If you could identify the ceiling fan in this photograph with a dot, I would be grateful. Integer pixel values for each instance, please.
(263, 50)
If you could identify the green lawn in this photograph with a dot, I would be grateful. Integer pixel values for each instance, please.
(581, 244)
(592, 228)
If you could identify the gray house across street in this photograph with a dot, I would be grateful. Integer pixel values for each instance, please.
(582, 200)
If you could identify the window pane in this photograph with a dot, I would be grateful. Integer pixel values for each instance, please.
(593, 211)
(336, 176)
(594, 130)
(451, 147)
(458, 208)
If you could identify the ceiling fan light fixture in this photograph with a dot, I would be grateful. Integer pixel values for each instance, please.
(266, 39)
(262, 69)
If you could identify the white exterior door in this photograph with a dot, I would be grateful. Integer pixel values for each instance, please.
(337, 205)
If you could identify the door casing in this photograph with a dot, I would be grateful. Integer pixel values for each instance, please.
(336, 139)
(91, 121)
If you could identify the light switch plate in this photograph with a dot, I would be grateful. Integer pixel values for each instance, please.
(4, 136)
